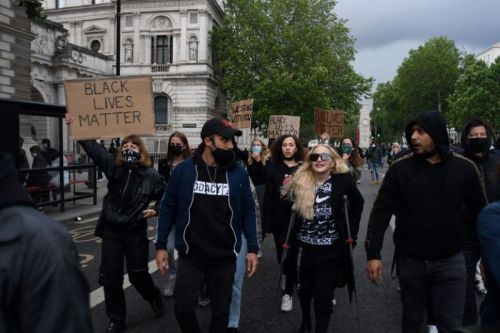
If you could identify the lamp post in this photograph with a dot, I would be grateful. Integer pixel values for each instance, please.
(118, 33)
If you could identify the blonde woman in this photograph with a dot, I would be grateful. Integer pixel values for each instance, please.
(317, 190)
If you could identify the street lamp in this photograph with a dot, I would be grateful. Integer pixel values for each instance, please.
(118, 33)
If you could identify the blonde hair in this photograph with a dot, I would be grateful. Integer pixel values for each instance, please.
(265, 154)
(302, 188)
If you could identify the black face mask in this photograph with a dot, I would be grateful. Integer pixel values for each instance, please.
(130, 157)
(478, 145)
(176, 150)
(223, 157)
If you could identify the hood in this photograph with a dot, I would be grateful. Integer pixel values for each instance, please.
(432, 122)
(11, 191)
(464, 142)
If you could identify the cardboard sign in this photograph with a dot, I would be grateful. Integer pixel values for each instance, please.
(280, 125)
(109, 108)
(329, 121)
(241, 113)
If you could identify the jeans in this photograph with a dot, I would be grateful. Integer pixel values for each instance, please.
(443, 280)
(373, 170)
(239, 277)
(116, 246)
(192, 272)
(172, 269)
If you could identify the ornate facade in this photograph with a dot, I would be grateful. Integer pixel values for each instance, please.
(168, 40)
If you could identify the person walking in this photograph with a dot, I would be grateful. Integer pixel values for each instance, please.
(426, 190)
(209, 201)
(178, 151)
(122, 225)
(350, 154)
(476, 140)
(317, 190)
(287, 155)
(43, 289)
(373, 157)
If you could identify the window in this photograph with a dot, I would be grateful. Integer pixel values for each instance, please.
(161, 110)
(193, 18)
(193, 48)
(161, 50)
(128, 21)
(95, 45)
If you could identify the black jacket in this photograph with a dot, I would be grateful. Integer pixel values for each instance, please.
(428, 200)
(42, 288)
(130, 190)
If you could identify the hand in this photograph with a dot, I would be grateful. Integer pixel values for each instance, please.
(162, 260)
(147, 213)
(256, 157)
(252, 262)
(374, 270)
(69, 119)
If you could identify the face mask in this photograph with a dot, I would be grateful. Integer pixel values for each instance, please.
(223, 157)
(346, 149)
(478, 145)
(130, 157)
(176, 150)
(256, 149)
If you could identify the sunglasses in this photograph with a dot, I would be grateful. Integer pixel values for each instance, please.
(322, 156)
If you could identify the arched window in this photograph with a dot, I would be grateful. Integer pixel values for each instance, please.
(193, 48)
(161, 109)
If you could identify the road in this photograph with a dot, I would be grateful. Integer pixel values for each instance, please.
(377, 310)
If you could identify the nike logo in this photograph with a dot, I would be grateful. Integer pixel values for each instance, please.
(320, 200)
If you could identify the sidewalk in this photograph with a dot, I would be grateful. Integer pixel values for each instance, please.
(81, 208)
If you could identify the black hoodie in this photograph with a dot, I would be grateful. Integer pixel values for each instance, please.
(42, 288)
(427, 199)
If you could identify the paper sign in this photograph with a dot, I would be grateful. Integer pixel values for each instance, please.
(329, 121)
(241, 113)
(109, 108)
(280, 125)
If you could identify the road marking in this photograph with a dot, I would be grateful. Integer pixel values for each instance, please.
(87, 221)
(97, 296)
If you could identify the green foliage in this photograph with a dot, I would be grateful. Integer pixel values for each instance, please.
(34, 8)
(289, 56)
(477, 94)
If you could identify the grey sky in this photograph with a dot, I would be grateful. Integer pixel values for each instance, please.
(386, 30)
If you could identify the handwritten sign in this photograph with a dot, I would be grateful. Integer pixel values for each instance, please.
(114, 107)
(280, 125)
(241, 113)
(329, 121)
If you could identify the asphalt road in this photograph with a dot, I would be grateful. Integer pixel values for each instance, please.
(377, 308)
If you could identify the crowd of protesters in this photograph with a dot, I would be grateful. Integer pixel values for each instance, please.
(216, 206)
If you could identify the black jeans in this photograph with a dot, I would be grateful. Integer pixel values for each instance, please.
(219, 277)
(472, 253)
(443, 280)
(318, 267)
(117, 246)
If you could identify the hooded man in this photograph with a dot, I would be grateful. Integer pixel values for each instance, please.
(208, 199)
(427, 190)
(477, 138)
(43, 289)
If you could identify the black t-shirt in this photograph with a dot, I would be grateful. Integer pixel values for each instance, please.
(209, 234)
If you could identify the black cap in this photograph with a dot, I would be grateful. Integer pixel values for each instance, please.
(222, 127)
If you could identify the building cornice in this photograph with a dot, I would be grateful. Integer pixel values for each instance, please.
(23, 34)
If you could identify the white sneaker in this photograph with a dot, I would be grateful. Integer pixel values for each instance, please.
(169, 287)
(432, 329)
(334, 302)
(286, 303)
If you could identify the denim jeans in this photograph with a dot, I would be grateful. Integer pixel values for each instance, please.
(239, 277)
(373, 170)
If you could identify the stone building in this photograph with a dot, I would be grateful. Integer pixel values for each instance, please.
(169, 40)
(490, 54)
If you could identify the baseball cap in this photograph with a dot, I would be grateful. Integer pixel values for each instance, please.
(222, 127)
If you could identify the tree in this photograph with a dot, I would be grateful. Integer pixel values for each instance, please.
(387, 112)
(34, 8)
(427, 77)
(477, 94)
(289, 56)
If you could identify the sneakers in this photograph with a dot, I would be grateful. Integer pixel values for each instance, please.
(157, 305)
(169, 287)
(334, 302)
(286, 303)
(116, 326)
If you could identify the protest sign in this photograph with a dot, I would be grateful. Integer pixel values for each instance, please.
(112, 107)
(329, 121)
(280, 125)
(241, 113)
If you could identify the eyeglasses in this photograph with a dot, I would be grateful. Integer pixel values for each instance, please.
(322, 156)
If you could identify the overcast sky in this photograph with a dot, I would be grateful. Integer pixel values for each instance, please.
(386, 30)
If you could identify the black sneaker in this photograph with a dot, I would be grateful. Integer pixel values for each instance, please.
(157, 304)
(116, 326)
